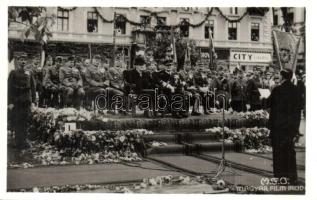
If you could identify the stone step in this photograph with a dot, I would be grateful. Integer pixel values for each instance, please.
(188, 137)
(188, 149)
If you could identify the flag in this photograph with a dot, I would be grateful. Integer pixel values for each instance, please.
(286, 47)
(211, 51)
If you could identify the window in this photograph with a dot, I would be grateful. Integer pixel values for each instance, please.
(120, 24)
(92, 22)
(232, 31)
(291, 18)
(62, 20)
(145, 21)
(209, 25)
(161, 20)
(234, 10)
(184, 27)
(275, 20)
(255, 31)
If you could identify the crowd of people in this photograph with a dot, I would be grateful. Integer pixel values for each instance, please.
(76, 82)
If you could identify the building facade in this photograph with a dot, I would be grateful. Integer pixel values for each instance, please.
(245, 43)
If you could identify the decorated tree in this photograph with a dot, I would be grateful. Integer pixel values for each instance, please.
(35, 21)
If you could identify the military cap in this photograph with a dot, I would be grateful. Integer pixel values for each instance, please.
(167, 62)
(20, 55)
(59, 58)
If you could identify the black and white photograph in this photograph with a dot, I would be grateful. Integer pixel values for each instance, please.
(156, 100)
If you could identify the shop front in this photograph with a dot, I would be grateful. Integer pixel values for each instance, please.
(250, 60)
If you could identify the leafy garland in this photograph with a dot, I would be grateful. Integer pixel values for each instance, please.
(67, 9)
(155, 14)
(232, 20)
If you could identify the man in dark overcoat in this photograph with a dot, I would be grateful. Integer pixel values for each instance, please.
(285, 106)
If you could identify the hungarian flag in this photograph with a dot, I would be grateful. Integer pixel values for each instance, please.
(286, 46)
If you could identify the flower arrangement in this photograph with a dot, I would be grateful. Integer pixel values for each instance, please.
(253, 139)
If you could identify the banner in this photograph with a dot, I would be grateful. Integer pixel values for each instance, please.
(286, 47)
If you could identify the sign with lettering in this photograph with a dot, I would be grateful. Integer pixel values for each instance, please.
(250, 57)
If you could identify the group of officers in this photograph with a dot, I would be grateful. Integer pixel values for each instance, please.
(72, 83)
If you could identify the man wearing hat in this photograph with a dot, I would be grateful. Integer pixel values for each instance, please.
(71, 84)
(162, 80)
(51, 80)
(137, 80)
(285, 108)
(21, 96)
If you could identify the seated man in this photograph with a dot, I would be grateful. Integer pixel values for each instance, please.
(186, 78)
(162, 81)
(202, 85)
(51, 81)
(97, 83)
(136, 81)
(71, 84)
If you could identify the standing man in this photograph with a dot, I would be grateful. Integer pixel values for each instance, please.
(238, 102)
(21, 97)
(71, 84)
(285, 108)
(253, 93)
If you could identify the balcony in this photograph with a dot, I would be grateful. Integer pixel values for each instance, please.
(236, 44)
(79, 37)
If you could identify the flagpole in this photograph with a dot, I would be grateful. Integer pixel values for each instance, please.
(174, 46)
(295, 57)
(114, 41)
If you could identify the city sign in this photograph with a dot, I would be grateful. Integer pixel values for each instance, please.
(250, 57)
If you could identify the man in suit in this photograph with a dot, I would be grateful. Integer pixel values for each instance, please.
(285, 108)
(136, 81)
(21, 97)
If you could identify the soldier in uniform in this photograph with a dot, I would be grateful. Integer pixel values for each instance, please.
(21, 97)
(186, 78)
(252, 92)
(71, 84)
(51, 81)
(116, 77)
(238, 89)
(201, 83)
(162, 80)
(98, 82)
